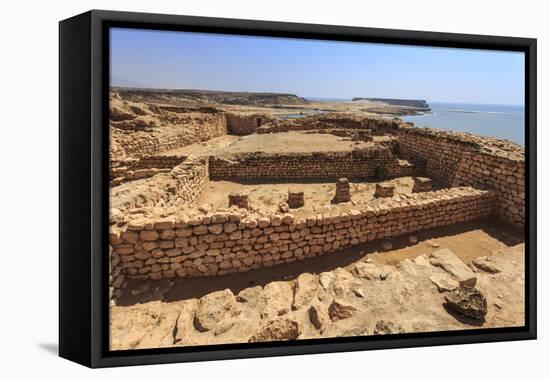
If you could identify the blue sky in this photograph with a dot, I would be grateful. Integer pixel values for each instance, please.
(165, 59)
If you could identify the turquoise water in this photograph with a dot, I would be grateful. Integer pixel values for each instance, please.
(499, 121)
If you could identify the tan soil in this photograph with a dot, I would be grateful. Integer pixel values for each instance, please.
(316, 194)
(292, 142)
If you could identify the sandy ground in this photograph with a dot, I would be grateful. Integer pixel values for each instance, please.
(204, 147)
(316, 194)
(292, 142)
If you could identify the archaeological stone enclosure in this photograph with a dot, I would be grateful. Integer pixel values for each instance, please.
(237, 188)
(180, 207)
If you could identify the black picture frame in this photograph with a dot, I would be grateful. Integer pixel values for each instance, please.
(84, 189)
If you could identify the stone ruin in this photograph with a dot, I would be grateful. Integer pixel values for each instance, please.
(240, 200)
(295, 198)
(343, 193)
(422, 184)
(383, 190)
(157, 232)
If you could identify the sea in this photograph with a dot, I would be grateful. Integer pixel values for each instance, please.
(499, 121)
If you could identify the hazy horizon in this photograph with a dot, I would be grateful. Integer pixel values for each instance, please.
(312, 69)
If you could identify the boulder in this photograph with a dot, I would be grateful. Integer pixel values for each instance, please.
(184, 325)
(422, 184)
(344, 283)
(467, 301)
(277, 330)
(276, 299)
(306, 287)
(449, 262)
(213, 308)
(339, 309)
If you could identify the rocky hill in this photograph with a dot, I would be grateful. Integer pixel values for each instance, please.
(209, 97)
(419, 104)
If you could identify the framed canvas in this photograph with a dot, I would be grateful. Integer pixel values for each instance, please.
(236, 188)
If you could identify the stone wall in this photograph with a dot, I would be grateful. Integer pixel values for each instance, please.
(359, 163)
(330, 121)
(180, 186)
(505, 176)
(237, 240)
(245, 124)
(460, 159)
(143, 167)
(195, 128)
(117, 277)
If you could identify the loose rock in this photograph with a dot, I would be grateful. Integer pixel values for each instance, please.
(277, 330)
(339, 309)
(468, 301)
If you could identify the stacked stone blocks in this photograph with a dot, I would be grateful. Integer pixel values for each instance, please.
(222, 243)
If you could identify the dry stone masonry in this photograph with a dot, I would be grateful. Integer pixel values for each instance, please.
(238, 240)
(358, 163)
(239, 199)
(343, 193)
(383, 190)
(295, 198)
(422, 184)
(483, 176)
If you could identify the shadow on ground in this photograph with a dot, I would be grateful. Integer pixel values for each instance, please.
(51, 348)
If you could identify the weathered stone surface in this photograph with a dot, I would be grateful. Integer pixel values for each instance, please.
(284, 207)
(443, 282)
(305, 289)
(318, 316)
(184, 325)
(343, 193)
(339, 309)
(295, 198)
(371, 271)
(276, 299)
(239, 199)
(422, 184)
(213, 308)
(449, 262)
(468, 301)
(250, 295)
(325, 279)
(277, 330)
(355, 331)
(383, 190)
(383, 327)
(344, 283)
(486, 264)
